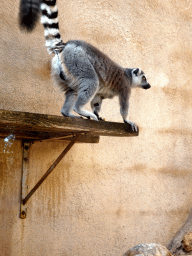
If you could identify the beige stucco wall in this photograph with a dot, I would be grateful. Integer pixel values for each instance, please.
(103, 198)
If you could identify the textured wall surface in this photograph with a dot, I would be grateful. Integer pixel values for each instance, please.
(102, 198)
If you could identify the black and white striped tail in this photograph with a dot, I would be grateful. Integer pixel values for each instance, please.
(49, 20)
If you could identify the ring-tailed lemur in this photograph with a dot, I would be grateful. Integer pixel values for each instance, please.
(82, 71)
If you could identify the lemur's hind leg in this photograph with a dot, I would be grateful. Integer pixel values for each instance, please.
(96, 105)
(87, 90)
(70, 98)
(83, 78)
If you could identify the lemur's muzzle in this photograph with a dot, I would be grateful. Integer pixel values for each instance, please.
(147, 86)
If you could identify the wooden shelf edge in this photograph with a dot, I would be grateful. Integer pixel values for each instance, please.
(42, 125)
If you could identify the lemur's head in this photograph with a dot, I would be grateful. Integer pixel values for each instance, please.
(139, 79)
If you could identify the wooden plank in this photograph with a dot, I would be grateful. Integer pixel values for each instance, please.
(41, 123)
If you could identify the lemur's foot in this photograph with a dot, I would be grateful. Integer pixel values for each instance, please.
(85, 113)
(90, 117)
(132, 124)
(99, 118)
(70, 115)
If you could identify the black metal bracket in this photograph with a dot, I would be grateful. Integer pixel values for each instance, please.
(25, 196)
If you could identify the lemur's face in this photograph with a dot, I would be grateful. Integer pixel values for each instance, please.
(139, 79)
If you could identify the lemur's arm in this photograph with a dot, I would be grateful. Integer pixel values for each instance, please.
(124, 107)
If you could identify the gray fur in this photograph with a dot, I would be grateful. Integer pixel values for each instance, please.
(86, 74)
(93, 76)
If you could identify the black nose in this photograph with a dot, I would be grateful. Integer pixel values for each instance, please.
(147, 86)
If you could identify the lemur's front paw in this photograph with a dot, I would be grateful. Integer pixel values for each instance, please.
(133, 125)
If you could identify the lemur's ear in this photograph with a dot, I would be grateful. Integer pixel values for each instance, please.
(136, 71)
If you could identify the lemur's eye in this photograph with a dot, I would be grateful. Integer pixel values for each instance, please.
(144, 78)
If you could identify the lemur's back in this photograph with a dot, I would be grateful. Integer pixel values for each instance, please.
(107, 70)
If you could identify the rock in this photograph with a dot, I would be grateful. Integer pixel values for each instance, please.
(178, 244)
(148, 250)
(187, 242)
